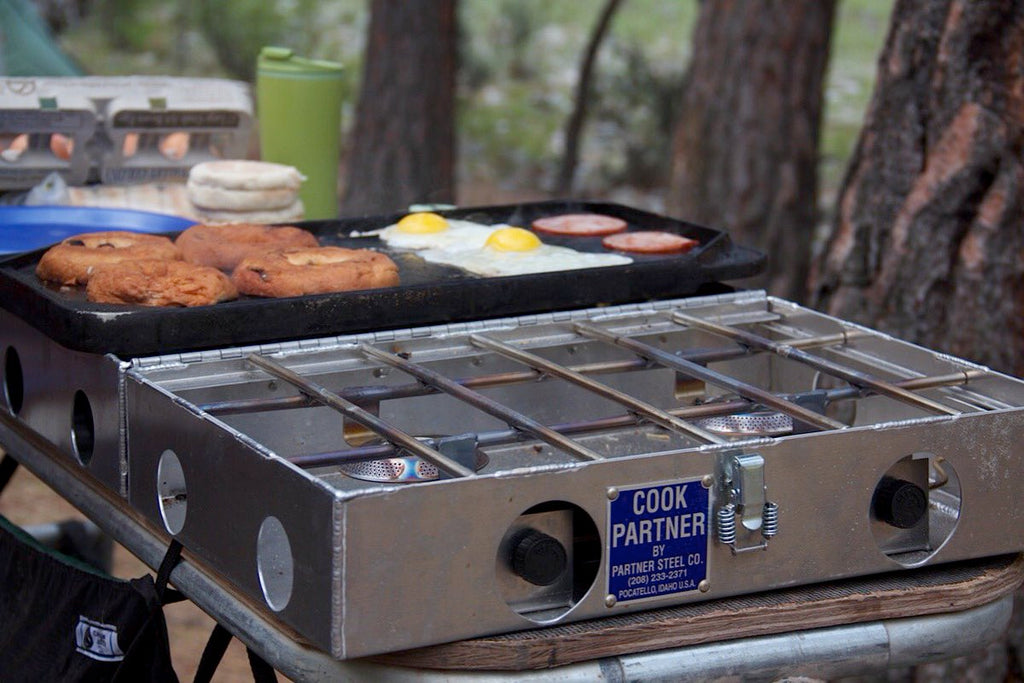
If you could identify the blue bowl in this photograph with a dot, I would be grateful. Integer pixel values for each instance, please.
(24, 228)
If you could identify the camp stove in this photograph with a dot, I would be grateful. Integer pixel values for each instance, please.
(393, 489)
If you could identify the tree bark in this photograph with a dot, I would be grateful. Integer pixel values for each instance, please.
(928, 242)
(745, 149)
(574, 127)
(403, 143)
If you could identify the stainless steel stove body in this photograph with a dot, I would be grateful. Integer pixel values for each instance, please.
(398, 489)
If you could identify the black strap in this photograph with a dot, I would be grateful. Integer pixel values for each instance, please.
(148, 658)
(8, 465)
(214, 651)
(167, 595)
(261, 671)
(220, 638)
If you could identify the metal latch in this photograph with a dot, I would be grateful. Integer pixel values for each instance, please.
(745, 495)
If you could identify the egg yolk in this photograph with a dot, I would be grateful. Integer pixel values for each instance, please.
(422, 223)
(512, 239)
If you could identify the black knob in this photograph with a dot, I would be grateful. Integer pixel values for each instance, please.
(899, 503)
(538, 558)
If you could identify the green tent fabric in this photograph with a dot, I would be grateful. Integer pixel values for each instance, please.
(27, 48)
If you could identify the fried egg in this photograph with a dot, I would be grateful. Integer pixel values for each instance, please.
(515, 251)
(432, 231)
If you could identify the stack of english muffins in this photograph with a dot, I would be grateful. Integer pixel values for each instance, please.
(240, 191)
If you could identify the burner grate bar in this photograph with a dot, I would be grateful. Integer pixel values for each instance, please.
(514, 419)
(376, 394)
(748, 391)
(958, 378)
(348, 409)
(634, 405)
(719, 408)
(852, 376)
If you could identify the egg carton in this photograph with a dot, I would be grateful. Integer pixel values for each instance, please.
(118, 130)
(38, 135)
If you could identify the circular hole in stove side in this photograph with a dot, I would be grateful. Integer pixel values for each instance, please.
(13, 381)
(172, 492)
(83, 428)
(275, 563)
(915, 508)
(548, 560)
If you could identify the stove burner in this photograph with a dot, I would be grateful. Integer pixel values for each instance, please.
(760, 423)
(392, 470)
(402, 469)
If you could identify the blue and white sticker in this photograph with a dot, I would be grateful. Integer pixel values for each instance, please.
(657, 540)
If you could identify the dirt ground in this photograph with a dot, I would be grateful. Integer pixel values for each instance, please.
(27, 501)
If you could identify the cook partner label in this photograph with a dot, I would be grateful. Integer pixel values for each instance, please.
(657, 540)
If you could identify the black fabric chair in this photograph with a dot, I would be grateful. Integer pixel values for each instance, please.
(64, 619)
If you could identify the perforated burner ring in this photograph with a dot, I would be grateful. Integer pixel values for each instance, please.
(762, 424)
(393, 470)
(402, 470)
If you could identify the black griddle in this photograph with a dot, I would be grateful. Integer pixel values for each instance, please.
(429, 293)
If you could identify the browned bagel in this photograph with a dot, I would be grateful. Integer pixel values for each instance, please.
(151, 282)
(73, 260)
(224, 246)
(296, 272)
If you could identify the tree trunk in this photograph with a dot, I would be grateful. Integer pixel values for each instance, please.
(928, 242)
(574, 127)
(745, 152)
(403, 143)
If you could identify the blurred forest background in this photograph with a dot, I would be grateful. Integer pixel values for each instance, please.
(518, 67)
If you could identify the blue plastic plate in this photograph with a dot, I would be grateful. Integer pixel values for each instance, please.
(25, 228)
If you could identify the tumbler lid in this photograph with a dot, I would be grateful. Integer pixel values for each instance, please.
(282, 60)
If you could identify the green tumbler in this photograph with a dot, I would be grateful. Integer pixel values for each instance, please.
(298, 106)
